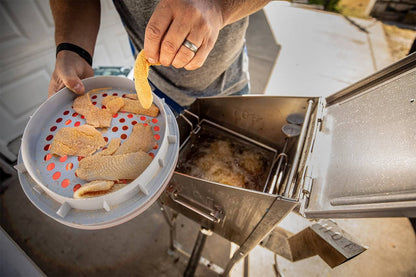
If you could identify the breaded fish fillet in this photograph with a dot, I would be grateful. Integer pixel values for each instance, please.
(131, 105)
(97, 188)
(111, 147)
(93, 189)
(132, 96)
(127, 166)
(77, 141)
(114, 105)
(141, 72)
(93, 115)
(134, 106)
(141, 138)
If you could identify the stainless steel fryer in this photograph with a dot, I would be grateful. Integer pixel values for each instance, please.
(352, 154)
(354, 157)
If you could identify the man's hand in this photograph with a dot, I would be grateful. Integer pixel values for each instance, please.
(70, 68)
(76, 22)
(175, 21)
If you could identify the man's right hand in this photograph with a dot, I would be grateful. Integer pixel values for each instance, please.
(70, 68)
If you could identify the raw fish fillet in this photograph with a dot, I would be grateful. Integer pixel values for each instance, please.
(132, 96)
(97, 188)
(111, 147)
(141, 72)
(134, 106)
(131, 105)
(114, 105)
(77, 141)
(93, 115)
(141, 138)
(127, 166)
(93, 189)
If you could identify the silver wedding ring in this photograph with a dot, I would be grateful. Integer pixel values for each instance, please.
(190, 46)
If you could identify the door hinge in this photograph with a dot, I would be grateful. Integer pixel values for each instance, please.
(306, 189)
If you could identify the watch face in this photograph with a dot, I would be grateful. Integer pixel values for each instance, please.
(291, 130)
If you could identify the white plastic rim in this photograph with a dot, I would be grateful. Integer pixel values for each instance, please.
(107, 210)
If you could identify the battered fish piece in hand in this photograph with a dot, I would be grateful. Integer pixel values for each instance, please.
(141, 72)
(93, 115)
(127, 166)
(131, 105)
(141, 138)
(77, 141)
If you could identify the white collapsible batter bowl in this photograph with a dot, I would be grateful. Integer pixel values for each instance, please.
(50, 181)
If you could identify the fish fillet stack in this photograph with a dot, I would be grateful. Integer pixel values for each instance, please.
(106, 170)
(119, 162)
(100, 118)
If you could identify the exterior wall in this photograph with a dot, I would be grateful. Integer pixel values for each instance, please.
(27, 60)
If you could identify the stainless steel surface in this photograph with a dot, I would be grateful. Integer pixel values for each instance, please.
(171, 221)
(289, 186)
(243, 209)
(375, 79)
(258, 117)
(291, 130)
(306, 163)
(222, 155)
(296, 118)
(279, 209)
(365, 155)
(214, 215)
(324, 238)
(248, 215)
(278, 176)
(175, 249)
(237, 134)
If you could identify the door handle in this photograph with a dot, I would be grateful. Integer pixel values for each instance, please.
(212, 214)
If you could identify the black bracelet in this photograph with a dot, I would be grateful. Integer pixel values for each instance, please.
(74, 48)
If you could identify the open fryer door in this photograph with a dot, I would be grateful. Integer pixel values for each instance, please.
(363, 162)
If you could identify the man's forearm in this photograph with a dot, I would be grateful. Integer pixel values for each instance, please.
(234, 10)
(76, 22)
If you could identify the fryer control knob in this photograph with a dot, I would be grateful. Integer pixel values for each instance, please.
(291, 130)
(295, 118)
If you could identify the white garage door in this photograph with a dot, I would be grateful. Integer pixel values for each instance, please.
(27, 58)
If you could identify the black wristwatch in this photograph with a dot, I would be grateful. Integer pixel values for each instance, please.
(74, 48)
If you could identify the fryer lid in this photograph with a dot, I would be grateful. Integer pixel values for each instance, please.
(363, 163)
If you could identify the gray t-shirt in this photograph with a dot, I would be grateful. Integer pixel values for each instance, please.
(223, 73)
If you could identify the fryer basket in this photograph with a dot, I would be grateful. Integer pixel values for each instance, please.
(54, 177)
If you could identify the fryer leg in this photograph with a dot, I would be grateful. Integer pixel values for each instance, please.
(246, 266)
(238, 255)
(171, 221)
(196, 252)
